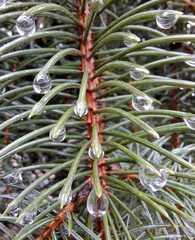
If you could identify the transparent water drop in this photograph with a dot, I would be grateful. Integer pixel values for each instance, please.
(68, 197)
(97, 207)
(29, 217)
(60, 135)
(81, 108)
(97, 5)
(2, 3)
(190, 122)
(13, 178)
(189, 226)
(167, 19)
(92, 154)
(141, 103)
(150, 181)
(16, 210)
(129, 44)
(25, 25)
(42, 83)
(136, 75)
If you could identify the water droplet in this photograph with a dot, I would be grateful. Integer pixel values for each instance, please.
(141, 103)
(129, 44)
(97, 207)
(190, 122)
(13, 178)
(81, 108)
(136, 75)
(59, 136)
(97, 5)
(167, 19)
(29, 217)
(68, 197)
(150, 181)
(94, 156)
(25, 25)
(16, 210)
(189, 226)
(42, 83)
(2, 3)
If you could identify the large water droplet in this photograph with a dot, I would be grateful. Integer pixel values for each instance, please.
(97, 207)
(13, 178)
(42, 83)
(136, 75)
(190, 122)
(141, 103)
(92, 154)
(81, 108)
(59, 136)
(167, 19)
(189, 226)
(25, 25)
(68, 197)
(150, 181)
(16, 210)
(29, 217)
(2, 3)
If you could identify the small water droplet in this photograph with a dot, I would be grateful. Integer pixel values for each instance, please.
(22, 119)
(25, 25)
(2, 3)
(13, 178)
(189, 226)
(59, 136)
(29, 217)
(16, 210)
(136, 75)
(92, 154)
(81, 108)
(190, 122)
(150, 181)
(97, 5)
(68, 197)
(141, 103)
(167, 19)
(129, 44)
(97, 207)
(42, 83)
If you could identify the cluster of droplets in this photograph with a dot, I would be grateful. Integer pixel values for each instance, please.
(25, 25)
(141, 103)
(167, 19)
(94, 155)
(42, 83)
(2, 3)
(59, 136)
(190, 122)
(29, 217)
(149, 179)
(97, 206)
(13, 178)
(81, 108)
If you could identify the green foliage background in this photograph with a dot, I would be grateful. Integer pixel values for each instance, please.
(134, 212)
